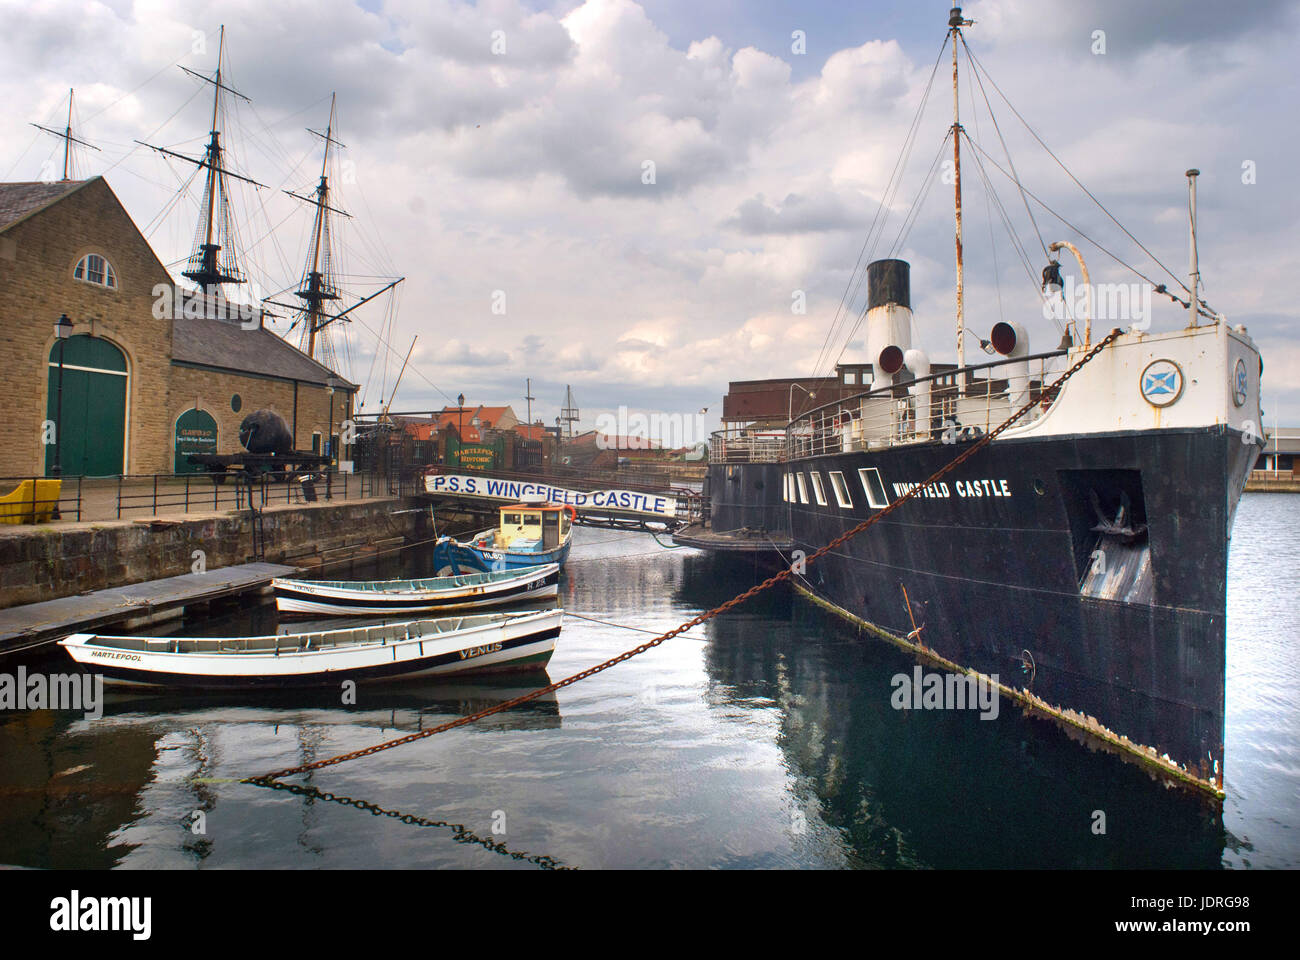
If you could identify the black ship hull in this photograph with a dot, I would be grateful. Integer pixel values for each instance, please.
(1088, 570)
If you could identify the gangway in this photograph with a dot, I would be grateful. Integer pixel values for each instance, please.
(598, 501)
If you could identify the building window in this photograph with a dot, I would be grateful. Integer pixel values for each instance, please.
(841, 490)
(236, 402)
(819, 491)
(93, 268)
(874, 487)
(850, 377)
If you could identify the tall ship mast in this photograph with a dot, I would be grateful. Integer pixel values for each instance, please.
(212, 262)
(214, 259)
(68, 139)
(1073, 549)
(318, 286)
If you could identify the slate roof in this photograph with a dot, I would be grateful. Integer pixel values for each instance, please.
(18, 200)
(226, 345)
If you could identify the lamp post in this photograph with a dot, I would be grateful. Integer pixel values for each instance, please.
(1087, 287)
(460, 425)
(62, 330)
(812, 395)
(332, 383)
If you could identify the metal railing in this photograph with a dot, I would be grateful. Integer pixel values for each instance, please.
(163, 493)
(746, 445)
(34, 499)
(955, 404)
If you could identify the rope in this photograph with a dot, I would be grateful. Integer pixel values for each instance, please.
(621, 626)
(1067, 170)
(268, 779)
(1007, 153)
(845, 308)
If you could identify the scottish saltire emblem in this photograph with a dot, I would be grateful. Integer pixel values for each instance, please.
(1240, 383)
(1161, 383)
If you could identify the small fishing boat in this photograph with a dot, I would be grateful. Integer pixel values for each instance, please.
(350, 597)
(528, 534)
(477, 644)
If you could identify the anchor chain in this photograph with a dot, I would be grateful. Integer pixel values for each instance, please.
(1048, 393)
(461, 833)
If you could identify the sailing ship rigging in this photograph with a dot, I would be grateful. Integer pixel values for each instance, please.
(68, 139)
(214, 260)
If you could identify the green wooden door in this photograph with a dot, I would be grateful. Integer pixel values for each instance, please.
(92, 436)
(196, 432)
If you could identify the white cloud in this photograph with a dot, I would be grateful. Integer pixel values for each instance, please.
(522, 171)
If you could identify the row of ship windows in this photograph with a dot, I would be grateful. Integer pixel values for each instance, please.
(796, 488)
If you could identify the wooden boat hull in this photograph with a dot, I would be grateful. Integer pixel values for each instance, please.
(419, 649)
(340, 599)
(449, 554)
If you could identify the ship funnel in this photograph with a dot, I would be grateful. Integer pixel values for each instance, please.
(889, 317)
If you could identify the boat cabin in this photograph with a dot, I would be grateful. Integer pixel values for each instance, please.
(534, 527)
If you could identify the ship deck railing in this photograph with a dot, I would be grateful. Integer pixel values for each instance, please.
(951, 406)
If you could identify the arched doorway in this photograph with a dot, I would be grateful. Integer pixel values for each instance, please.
(196, 432)
(92, 434)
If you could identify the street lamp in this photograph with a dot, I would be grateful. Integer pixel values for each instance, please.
(332, 383)
(790, 406)
(62, 330)
(460, 425)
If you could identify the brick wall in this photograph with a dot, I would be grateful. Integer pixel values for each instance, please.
(37, 259)
(37, 285)
(211, 392)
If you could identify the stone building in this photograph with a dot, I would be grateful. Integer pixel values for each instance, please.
(148, 373)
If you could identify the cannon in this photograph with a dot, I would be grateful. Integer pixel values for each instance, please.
(264, 431)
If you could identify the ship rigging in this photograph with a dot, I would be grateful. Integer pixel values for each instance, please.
(1080, 556)
(322, 289)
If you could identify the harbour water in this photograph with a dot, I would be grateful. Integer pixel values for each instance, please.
(765, 738)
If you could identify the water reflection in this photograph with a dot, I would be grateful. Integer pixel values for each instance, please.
(764, 738)
(85, 793)
(937, 788)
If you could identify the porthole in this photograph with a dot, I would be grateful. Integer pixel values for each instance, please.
(1040, 488)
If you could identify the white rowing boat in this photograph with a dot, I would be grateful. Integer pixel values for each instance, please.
(433, 594)
(477, 644)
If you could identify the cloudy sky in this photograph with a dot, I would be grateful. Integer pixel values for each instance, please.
(497, 155)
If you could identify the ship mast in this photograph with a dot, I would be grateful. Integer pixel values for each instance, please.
(316, 288)
(207, 266)
(67, 137)
(317, 284)
(955, 23)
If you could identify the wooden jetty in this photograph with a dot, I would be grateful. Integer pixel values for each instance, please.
(37, 624)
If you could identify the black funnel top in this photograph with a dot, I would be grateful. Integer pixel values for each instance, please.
(889, 281)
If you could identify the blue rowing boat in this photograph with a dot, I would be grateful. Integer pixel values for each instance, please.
(528, 534)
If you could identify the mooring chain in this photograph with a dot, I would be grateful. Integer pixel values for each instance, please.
(461, 834)
(1047, 394)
